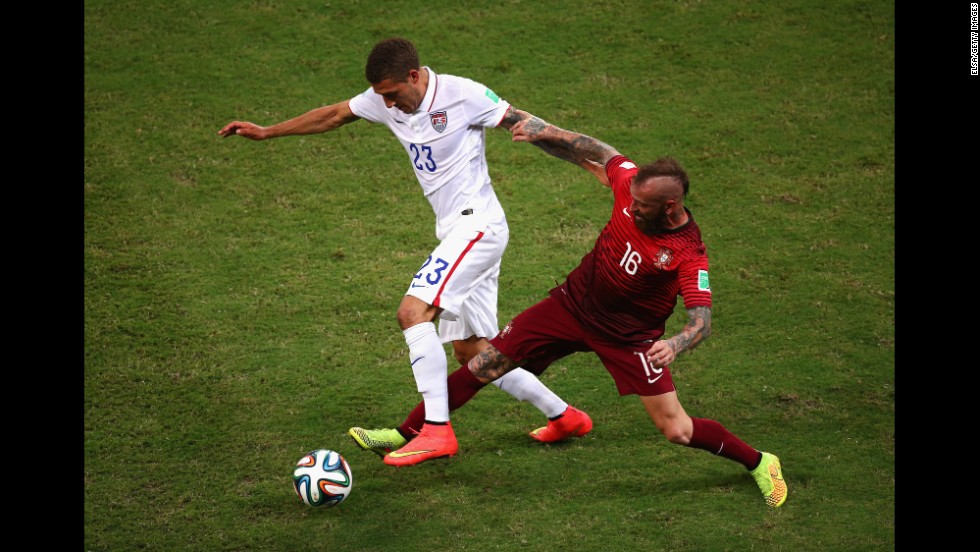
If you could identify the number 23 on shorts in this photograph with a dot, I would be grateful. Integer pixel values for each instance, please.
(430, 272)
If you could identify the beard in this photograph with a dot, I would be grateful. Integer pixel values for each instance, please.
(653, 226)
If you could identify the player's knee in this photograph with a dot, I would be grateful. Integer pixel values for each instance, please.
(675, 433)
(678, 438)
(409, 316)
(405, 318)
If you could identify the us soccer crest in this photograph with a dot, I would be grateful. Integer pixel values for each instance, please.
(439, 120)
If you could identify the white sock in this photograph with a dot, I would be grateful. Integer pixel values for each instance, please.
(429, 365)
(525, 386)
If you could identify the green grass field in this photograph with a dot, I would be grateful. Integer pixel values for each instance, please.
(240, 296)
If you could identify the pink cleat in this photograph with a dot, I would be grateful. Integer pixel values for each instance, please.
(572, 423)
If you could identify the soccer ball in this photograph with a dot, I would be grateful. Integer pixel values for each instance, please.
(322, 478)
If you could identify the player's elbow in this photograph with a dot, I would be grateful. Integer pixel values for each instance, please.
(699, 323)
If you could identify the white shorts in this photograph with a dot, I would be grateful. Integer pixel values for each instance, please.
(461, 277)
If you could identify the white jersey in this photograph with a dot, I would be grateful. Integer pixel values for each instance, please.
(445, 142)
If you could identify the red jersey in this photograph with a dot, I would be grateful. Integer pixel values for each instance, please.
(626, 287)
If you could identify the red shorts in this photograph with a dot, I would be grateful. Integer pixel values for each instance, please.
(547, 332)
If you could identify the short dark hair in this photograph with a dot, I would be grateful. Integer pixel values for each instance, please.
(665, 166)
(391, 58)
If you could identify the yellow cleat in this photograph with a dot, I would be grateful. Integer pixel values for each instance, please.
(378, 441)
(769, 475)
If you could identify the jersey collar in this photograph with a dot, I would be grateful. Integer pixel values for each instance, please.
(430, 92)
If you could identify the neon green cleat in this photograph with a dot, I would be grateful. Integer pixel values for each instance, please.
(769, 475)
(378, 441)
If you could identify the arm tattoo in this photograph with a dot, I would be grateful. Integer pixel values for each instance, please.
(535, 126)
(560, 153)
(490, 364)
(535, 129)
(578, 149)
(573, 147)
(513, 116)
(697, 329)
(585, 148)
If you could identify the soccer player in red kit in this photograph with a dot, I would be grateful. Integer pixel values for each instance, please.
(616, 302)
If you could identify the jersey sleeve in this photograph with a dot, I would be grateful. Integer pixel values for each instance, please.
(481, 105)
(619, 170)
(367, 105)
(695, 288)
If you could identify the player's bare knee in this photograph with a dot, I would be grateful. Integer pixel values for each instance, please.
(675, 434)
(679, 439)
(406, 318)
(409, 315)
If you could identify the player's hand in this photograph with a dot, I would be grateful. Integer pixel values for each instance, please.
(531, 129)
(519, 132)
(661, 354)
(248, 130)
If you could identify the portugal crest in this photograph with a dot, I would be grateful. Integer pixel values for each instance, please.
(664, 258)
(439, 120)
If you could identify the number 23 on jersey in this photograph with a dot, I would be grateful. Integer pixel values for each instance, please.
(422, 157)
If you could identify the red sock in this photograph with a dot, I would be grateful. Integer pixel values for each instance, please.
(462, 386)
(711, 436)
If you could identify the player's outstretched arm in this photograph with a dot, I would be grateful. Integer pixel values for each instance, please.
(315, 121)
(697, 329)
(578, 149)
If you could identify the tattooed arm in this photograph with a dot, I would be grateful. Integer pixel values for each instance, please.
(697, 329)
(578, 149)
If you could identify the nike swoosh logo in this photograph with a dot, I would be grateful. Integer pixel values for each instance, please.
(625, 212)
(409, 453)
(654, 380)
(418, 359)
(414, 285)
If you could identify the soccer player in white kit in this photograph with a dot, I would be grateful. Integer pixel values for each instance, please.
(440, 120)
